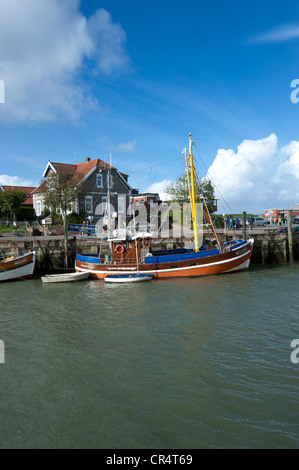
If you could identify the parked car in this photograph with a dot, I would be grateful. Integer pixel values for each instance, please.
(295, 219)
(257, 221)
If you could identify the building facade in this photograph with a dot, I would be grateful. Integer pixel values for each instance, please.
(146, 199)
(101, 183)
(281, 212)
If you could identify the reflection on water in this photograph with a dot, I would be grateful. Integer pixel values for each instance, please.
(183, 363)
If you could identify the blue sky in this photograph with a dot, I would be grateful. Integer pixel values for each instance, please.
(133, 78)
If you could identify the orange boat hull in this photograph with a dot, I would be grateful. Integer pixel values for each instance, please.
(231, 261)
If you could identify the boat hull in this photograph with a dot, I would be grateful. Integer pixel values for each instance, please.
(70, 277)
(121, 278)
(236, 259)
(20, 267)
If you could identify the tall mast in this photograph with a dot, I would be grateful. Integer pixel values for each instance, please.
(192, 195)
(193, 200)
(187, 171)
(108, 197)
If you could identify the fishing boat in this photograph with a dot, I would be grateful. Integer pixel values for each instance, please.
(17, 267)
(68, 277)
(135, 255)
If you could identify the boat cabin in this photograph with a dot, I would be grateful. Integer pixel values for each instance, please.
(127, 251)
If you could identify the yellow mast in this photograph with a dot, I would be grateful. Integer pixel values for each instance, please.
(193, 201)
(192, 194)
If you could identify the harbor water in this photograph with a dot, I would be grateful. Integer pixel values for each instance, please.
(174, 364)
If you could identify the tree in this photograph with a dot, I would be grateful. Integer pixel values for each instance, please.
(204, 191)
(10, 202)
(60, 191)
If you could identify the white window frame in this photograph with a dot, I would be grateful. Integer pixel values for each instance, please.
(38, 208)
(88, 200)
(121, 201)
(99, 177)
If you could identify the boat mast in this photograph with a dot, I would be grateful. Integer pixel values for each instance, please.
(192, 195)
(193, 202)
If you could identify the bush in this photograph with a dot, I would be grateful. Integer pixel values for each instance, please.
(25, 213)
(74, 218)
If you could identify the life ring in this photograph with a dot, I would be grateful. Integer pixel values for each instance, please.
(119, 249)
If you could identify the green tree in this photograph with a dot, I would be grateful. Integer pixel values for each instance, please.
(10, 202)
(204, 191)
(60, 190)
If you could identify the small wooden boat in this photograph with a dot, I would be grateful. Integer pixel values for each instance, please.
(138, 277)
(17, 267)
(69, 277)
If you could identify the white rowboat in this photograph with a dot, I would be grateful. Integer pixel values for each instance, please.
(69, 277)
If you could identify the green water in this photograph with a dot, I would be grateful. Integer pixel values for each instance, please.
(190, 364)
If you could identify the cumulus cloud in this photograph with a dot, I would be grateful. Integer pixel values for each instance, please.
(43, 48)
(7, 180)
(160, 188)
(291, 165)
(258, 176)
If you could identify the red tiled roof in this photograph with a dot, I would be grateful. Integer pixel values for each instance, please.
(79, 170)
(27, 189)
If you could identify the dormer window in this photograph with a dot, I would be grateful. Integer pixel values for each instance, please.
(99, 180)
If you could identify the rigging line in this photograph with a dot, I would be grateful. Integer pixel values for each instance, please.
(205, 201)
(217, 189)
(154, 166)
(203, 162)
(149, 177)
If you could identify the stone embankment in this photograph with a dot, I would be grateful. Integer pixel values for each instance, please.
(269, 247)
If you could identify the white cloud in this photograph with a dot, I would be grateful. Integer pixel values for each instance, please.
(160, 188)
(257, 176)
(111, 37)
(280, 34)
(43, 47)
(125, 147)
(7, 180)
(290, 166)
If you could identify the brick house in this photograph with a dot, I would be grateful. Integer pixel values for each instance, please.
(99, 179)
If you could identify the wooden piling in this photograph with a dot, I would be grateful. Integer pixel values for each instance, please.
(290, 236)
(244, 225)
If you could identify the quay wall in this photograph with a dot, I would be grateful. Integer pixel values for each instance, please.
(268, 248)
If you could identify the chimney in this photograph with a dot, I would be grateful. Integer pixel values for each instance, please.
(87, 159)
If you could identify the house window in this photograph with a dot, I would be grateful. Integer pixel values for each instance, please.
(99, 180)
(38, 208)
(88, 203)
(121, 204)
